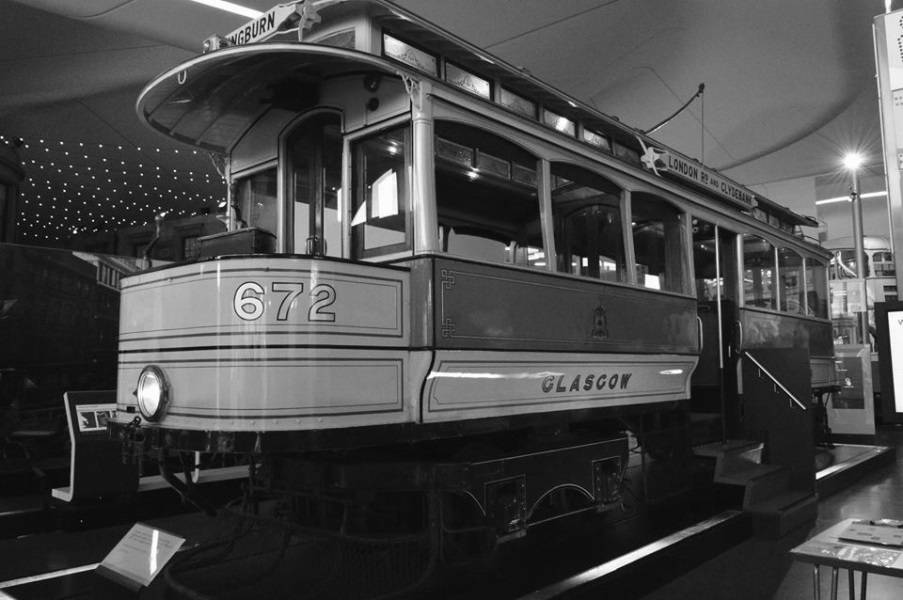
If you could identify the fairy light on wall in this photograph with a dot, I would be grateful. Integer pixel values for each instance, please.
(80, 187)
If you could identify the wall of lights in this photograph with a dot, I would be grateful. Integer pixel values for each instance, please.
(76, 188)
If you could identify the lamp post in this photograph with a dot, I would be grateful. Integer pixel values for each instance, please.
(852, 162)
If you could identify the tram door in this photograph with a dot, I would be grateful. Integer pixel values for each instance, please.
(315, 159)
(714, 383)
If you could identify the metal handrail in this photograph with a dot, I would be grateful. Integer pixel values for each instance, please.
(775, 381)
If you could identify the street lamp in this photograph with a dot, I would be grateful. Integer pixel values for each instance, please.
(853, 162)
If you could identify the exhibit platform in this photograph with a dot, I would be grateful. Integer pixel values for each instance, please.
(60, 564)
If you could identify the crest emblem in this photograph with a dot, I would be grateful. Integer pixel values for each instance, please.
(651, 159)
(600, 322)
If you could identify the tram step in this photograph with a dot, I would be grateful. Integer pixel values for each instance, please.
(744, 472)
(705, 428)
(786, 501)
(766, 485)
(783, 513)
(745, 449)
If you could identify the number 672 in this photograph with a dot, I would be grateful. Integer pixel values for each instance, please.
(249, 301)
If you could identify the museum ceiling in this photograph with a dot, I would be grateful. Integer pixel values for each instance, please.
(789, 87)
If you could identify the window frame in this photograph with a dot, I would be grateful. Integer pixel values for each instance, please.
(623, 270)
(316, 210)
(538, 188)
(683, 243)
(353, 174)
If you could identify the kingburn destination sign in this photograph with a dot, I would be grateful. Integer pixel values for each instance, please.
(666, 163)
(283, 17)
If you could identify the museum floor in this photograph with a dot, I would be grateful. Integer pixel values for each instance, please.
(763, 570)
(743, 568)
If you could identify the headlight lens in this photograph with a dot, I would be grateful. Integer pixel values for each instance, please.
(153, 393)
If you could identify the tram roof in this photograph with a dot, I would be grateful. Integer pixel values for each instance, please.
(211, 100)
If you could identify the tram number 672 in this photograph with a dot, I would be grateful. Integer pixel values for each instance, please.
(249, 301)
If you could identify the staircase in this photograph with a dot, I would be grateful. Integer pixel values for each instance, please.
(768, 495)
(770, 452)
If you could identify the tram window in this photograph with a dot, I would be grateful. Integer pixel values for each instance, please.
(758, 273)
(379, 223)
(587, 214)
(315, 159)
(487, 204)
(657, 243)
(816, 288)
(706, 258)
(883, 264)
(790, 270)
(257, 200)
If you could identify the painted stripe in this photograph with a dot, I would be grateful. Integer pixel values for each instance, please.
(361, 361)
(230, 414)
(596, 401)
(166, 278)
(217, 331)
(262, 347)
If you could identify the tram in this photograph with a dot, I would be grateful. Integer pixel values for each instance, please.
(880, 283)
(445, 285)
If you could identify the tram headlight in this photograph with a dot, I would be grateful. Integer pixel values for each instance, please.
(152, 393)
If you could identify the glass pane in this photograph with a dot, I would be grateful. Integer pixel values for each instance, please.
(790, 266)
(401, 51)
(316, 173)
(817, 288)
(758, 272)
(559, 123)
(486, 198)
(588, 230)
(379, 215)
(257, 201)
(4, 228)
(657, 244)
(712, 282)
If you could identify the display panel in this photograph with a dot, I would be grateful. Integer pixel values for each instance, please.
(895, 334)
(889, 322)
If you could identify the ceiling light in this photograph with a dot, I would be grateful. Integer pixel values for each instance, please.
(231, 7)
(852, 161)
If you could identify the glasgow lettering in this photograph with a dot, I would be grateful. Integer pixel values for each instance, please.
(562, 384)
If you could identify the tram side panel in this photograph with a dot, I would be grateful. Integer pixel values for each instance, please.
(520, 342)
(286, 343)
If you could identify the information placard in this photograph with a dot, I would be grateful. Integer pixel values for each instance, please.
(851, 409)
(140, 555)
(94, 417)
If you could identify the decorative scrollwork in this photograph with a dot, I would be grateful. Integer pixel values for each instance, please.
(412, 87)
(448, 327)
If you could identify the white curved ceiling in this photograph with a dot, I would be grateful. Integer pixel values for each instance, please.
(789, 84)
